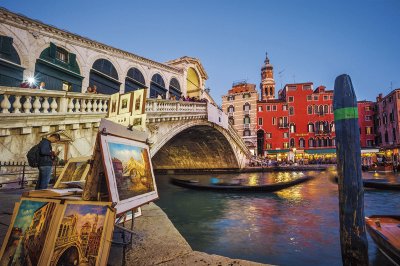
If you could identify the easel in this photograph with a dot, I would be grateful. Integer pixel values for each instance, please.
(124, 229)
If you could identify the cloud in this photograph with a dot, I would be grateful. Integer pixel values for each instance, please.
(126, 154)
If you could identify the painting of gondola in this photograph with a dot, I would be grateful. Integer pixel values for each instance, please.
(129, 172)
(83, 234)
(28, 232)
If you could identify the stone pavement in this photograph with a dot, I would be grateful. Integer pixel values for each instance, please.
(156, 241)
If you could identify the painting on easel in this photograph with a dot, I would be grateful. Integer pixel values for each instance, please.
(129, 172)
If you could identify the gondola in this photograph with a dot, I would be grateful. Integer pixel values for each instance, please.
(238, 187)
(380, 183)
(385, 231)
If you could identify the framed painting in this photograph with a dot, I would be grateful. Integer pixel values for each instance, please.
(113, 105)
(29, 232)
(129, 172)
(125, 103)
(83, 234)
(138, 106)
(74, 172)
(138, 122)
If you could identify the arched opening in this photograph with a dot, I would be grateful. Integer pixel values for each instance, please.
(292, 143)
(59, 69)
(310, 127)
(246, 107)
(134, 80)
(70, 257)
(197, 147)
(260, 142)
(104, 75)
(302, 143)
(11, 73)
(292, 128)
(157, 87)
(231, 109)
(311, 143)
(193, 83)
(175, 89)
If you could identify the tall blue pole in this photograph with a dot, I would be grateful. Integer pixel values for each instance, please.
(353, 238)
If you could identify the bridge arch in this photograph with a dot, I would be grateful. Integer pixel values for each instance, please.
(195, 145)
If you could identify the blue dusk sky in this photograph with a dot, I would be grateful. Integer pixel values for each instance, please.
(124, 152)
(306, 40)
(25, 213)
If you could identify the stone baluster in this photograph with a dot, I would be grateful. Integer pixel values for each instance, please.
(155, 107)
(46, 105)
(27, 105)
(83, 106)
(105, 105)
(53, 105)
(37, 105)
(100, 106)
(95, 106)
(5, 104)
(89, 106)
(77, 106)
(17, 104)
(70, 105)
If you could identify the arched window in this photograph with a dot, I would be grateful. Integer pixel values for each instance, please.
(291, 110)
(310, 110)
(292, 128)
(157, 87)
(326, 127)
(175, 88)
(321, 110)
(134, 80)
(246, 120)
(260, 142)
(271, 92)
(317, 142)
(291, 143)
(246, 107)
(104, 76)
(231, 109)
(326, 109)
(311, 142)
(11, 73)
(333, 127)
(324, 142)
(310, 127)
(302, 143)
(316, 109)
(329, 142)
(334, 142)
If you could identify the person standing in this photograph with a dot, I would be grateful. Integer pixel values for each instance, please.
(46, 157)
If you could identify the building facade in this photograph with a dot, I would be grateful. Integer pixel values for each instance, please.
(241, 106)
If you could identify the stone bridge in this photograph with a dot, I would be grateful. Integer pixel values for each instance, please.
(180, 135)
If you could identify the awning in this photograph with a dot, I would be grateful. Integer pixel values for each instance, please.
(320, 151)
(369, 150)
(277, 151)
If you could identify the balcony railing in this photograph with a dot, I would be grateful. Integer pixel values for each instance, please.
(158, 106)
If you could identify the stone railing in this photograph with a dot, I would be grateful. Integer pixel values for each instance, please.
(157, 106)
(26, 108)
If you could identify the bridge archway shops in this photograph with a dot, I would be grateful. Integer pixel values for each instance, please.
(104, 75)
(11, 71)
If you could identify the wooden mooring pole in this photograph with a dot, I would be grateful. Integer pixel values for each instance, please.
(353, 239)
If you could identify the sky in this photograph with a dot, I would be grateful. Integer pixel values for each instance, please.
(314, 40)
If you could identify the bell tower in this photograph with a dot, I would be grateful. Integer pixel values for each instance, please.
(267, 80)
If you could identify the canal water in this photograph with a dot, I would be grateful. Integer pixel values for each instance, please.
(295, 226)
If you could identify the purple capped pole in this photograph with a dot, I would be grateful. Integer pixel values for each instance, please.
(353, 238)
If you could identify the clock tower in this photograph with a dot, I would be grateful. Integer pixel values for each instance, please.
(267, 80)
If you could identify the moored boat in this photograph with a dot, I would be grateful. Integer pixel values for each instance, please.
(385, 231)
(232, 187)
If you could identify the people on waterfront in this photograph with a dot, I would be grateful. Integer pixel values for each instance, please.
(46, 158)
(159, 97)
(42, 86)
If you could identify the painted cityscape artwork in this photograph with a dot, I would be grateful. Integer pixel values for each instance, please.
(75, 170)
(129, 172)
(80, 235)
(27, 233)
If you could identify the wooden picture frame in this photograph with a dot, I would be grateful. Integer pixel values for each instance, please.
(87, 229)
(139, 100)
(129, 172)
(125, 103)
(113, 106)
(77, 167)
(138, 122)
(31, 230)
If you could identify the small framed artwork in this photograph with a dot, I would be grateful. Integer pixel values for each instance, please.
(83, 235)
(123, 119)
(129, 172)
(113, 105)
(139, 97)
(74, 171)
(125, 103)
(29, 232)
(138, 122)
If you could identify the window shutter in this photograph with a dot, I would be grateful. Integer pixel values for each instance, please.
(52, 50)
(5, 44)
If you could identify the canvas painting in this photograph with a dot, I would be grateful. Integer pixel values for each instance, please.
(138, 122)
(125, 103)
(75, 170)
(139, 102)
(81, 235)
(28, 231)
(113, 106)
(129, 172)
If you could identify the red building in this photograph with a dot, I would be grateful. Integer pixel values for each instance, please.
(366, 113)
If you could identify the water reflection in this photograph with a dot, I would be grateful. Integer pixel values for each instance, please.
(295, 226)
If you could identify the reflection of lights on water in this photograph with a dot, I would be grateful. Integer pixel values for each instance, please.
(253, 180)
(293, 193)
(375, 174)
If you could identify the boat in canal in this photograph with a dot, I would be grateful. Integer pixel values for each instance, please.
(238, 187)
(377, 183)
(385, 231)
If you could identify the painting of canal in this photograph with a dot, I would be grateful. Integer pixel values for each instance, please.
(28, 233)
(131, 166)
(79, 235)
